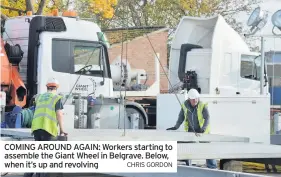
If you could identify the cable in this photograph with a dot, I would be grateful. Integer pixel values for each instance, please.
(77, 79)
(9, 37)
(273, 82)
(122, 65)
(79, 76)
(175, 87)
(146, 79)
(126, 64)
(165, 73)
(120, 83)
(127, 73)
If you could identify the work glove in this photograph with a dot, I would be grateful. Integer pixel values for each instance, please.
(202, 131)
(172, 128)
(63, 133)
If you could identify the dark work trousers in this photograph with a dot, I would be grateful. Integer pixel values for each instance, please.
(274, 169)
(40, 135)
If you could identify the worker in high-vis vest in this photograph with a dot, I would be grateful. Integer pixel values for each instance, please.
(48, 113)
(195, 116)
(47, 116)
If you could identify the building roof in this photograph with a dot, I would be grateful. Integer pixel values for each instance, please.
(115, 36)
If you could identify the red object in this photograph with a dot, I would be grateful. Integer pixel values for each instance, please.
(10, 79)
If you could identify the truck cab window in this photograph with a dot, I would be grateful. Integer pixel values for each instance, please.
(250, 67)
(80, 57)
(61, 57)
(88, 60)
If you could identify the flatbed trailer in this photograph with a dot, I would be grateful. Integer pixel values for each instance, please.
(183, 171)
(190, 146)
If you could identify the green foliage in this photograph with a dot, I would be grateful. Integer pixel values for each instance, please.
(47, 6)
(169, 12)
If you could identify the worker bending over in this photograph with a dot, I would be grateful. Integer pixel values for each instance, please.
(47, 115)
(195, 116)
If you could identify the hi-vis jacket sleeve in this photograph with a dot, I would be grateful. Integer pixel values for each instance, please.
(206, 116)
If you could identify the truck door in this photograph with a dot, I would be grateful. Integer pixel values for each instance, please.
(90, 69)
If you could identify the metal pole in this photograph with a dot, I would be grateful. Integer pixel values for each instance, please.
(157, 71)
(262, 67)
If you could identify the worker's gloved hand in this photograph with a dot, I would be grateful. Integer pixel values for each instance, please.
(172, 128)
(62, 133)
(202, 131)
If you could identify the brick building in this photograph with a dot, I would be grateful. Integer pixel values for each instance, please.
(140, 53)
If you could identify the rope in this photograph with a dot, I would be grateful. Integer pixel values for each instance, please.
(127, 73)
(127, 22)
(120, 84)
(165, 73)
(85, 66)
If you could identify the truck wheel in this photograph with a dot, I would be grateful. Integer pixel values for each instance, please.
(132, 110)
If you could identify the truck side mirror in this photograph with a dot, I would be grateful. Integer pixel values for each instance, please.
(102, 38)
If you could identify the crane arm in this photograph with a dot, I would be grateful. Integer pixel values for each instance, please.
(11, 81)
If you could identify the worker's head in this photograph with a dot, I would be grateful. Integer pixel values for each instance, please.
(52, 84)
(193, 97)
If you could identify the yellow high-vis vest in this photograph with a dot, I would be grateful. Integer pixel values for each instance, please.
(45, 117)
(201, 120)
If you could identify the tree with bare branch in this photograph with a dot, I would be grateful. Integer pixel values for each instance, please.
(11, 8)
(169, 12)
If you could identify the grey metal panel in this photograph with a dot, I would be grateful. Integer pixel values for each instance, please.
(132, 135)
(227, 151)
(6, 139)
(275, 139)
(22, 133)
(184, 171)
(274, 70)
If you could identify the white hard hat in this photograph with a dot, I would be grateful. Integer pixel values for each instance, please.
(193, 94)
(52, 82)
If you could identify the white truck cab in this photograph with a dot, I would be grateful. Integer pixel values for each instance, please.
(217, 54)
(75, 52)
(207, 54)
(66, 48)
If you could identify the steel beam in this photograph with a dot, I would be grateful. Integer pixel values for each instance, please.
(132, 135)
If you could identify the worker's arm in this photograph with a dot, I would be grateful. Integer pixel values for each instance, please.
(59, 108)
(180, 119)
(206, 116)
(33, 101)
